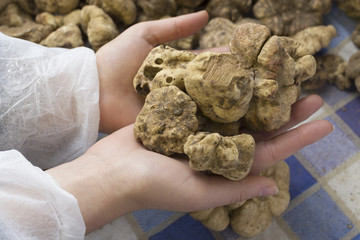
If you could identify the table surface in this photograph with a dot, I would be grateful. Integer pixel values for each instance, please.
(324, 177)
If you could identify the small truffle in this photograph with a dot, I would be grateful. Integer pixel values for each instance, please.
(288, 17)
(155, 9)
(67, 36)
(229, 9)
(56, 6)
(256, 214)
(353, 69)
(350, 7)
(230, 157)
(218, 32)
(315, 38)
(122, 10)
(355, 36)
(164, 66)
(14, 16)
(98, 26)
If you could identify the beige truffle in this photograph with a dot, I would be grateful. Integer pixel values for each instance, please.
(67, 36)
(155, 9)
(218, 218)
(288, 17)
(167, 118)
(189, 3)
(218, 32)
(221, 88)
(283, 63)
(14, 16)
(224, 129)
(56, 6)
(315, 38)
(164, 66)
(256, 214)
(230, 157)
(230, 9)
(30, 31)
(353, 69)
(251, 217)
(122, 10)
(355, 36)
(260, 79)
(98, 26)
(350, 7)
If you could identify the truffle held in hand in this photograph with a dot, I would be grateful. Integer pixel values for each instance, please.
(192, 99)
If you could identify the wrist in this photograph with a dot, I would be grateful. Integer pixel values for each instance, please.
(89, 180)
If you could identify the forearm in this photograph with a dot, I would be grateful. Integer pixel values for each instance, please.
(89, 180)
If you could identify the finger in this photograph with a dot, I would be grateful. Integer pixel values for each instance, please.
(166, 30)
(218, 191)
(300, 111)
(270, 152)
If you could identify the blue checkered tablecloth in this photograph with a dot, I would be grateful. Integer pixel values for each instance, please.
(324, 177)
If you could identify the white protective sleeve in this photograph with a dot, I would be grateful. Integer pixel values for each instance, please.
(49, 101)
(32, 204)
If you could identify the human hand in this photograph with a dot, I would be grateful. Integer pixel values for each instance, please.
(118, 175)
(119, 60)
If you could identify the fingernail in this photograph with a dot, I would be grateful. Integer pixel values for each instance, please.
(269, 191)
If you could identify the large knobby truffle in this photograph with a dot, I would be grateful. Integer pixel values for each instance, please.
(167, 118)
(282, 64)
(231, 157)
(218, 84)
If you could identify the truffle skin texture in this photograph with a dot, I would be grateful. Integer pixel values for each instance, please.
(164, 66)
(353, 69)
(350, 7)
(230, 157)
(98, 26)
(230, 9)
(256, 214)
(355, 36)
(123, 10)
(247, 41)
(282, 63)
(155, 9)
(189, 3)
(13, 16)
(288, 17)
(167, 118)
(67, 36)
(30, 31)
(315, 38)
(56, 6)
(224, 129)
(332, 69)
(218, 32)
(221, 88)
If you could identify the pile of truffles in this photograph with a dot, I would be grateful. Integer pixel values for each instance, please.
(197, 104)
(92, 23)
